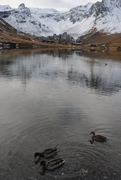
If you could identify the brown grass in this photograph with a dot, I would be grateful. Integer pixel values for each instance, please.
(112, 40)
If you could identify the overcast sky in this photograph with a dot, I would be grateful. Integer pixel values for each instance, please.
(56, 4)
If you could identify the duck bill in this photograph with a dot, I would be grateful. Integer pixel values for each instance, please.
(34, 158)
(39, 166)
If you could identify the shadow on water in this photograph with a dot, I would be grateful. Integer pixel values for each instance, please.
(66, 95)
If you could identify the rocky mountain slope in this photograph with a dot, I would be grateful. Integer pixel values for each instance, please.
(4, 26)
(102, 16)
(11, 38)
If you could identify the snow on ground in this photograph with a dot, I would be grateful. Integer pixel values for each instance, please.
(111, 23)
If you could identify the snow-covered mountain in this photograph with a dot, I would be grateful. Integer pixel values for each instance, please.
(101, 16)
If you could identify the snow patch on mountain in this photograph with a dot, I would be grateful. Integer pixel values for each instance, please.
(111, 3)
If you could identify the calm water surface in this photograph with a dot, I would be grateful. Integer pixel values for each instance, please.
(50, 98)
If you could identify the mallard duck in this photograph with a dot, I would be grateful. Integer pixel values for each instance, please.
(51, 165)
(46, 153)
(98, 138)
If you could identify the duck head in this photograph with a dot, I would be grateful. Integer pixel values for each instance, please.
(42, 163)
(37, 154)
(92, 134)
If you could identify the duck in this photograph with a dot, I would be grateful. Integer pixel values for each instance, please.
(97, 138)
(51, 165)
(46, 153)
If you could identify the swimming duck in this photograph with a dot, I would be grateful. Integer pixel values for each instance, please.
(46, 153)
(98, 138)
(51, 165)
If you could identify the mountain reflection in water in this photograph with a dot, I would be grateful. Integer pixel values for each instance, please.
(91, 72)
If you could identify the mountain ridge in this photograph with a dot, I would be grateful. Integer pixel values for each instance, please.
(101, 16)
(78, 21)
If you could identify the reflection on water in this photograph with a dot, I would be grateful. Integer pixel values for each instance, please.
(51, 98)
(98, 78)
(93, 73)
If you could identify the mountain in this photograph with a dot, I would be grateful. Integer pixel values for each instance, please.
(102, 17)
(11, 38)
(5, 27)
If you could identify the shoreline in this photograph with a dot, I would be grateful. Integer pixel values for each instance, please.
(88, 47)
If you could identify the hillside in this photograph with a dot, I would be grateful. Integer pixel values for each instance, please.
(110, 41)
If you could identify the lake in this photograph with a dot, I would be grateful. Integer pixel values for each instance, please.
(56, 98)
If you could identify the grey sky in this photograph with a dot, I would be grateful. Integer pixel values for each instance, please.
(56, 4)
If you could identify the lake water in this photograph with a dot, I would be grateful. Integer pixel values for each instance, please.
(56, 98)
